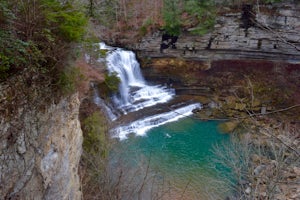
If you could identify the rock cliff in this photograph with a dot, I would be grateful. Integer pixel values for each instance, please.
(248, 31)
(40, 147)
(249, 41)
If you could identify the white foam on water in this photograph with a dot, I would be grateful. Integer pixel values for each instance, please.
(140, 127)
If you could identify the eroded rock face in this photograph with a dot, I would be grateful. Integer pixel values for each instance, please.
(40, 151)
(246, 32)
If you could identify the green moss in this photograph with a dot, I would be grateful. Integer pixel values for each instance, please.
(95, 140)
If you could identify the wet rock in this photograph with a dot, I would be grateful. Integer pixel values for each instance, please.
(259, 169)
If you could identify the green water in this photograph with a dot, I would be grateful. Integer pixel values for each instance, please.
(181, 153)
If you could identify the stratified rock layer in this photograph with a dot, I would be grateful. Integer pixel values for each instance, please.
(271, 32)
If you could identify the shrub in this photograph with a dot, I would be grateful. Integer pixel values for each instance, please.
(144, 28)
(171, 16)
(112, 81)
(205, 13)
(42, 46)
(68, 22)
(17, 54)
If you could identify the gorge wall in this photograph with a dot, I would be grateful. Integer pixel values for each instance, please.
(248, 31)
(250, 60)
(250, 43)
(40, 146)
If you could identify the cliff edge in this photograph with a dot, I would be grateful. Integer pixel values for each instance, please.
(40, 146)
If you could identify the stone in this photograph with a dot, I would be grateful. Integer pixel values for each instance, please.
(263, 110)
(40, 160)
(228, 127)
(203, 99)
(259, 169)
(21, 144)
(248, 190)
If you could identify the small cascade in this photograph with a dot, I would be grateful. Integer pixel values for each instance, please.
(140, 127)
(107, 109)
(134, 93)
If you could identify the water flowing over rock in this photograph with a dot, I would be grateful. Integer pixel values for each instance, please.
(140, 127)
(109, 111)
(135, 94)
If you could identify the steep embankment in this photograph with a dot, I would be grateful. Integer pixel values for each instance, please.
(40, 143)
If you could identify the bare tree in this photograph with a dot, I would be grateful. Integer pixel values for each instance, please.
(260, 168)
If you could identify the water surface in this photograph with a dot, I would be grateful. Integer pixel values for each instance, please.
(180, 153)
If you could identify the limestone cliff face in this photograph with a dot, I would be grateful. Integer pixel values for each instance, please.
(262, 39)
(244, 32)
(40, 150)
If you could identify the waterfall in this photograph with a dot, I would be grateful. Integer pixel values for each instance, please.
(134, 92)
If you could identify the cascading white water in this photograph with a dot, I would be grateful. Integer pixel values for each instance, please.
(140, 127)
(100, 102)
(134, 92)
